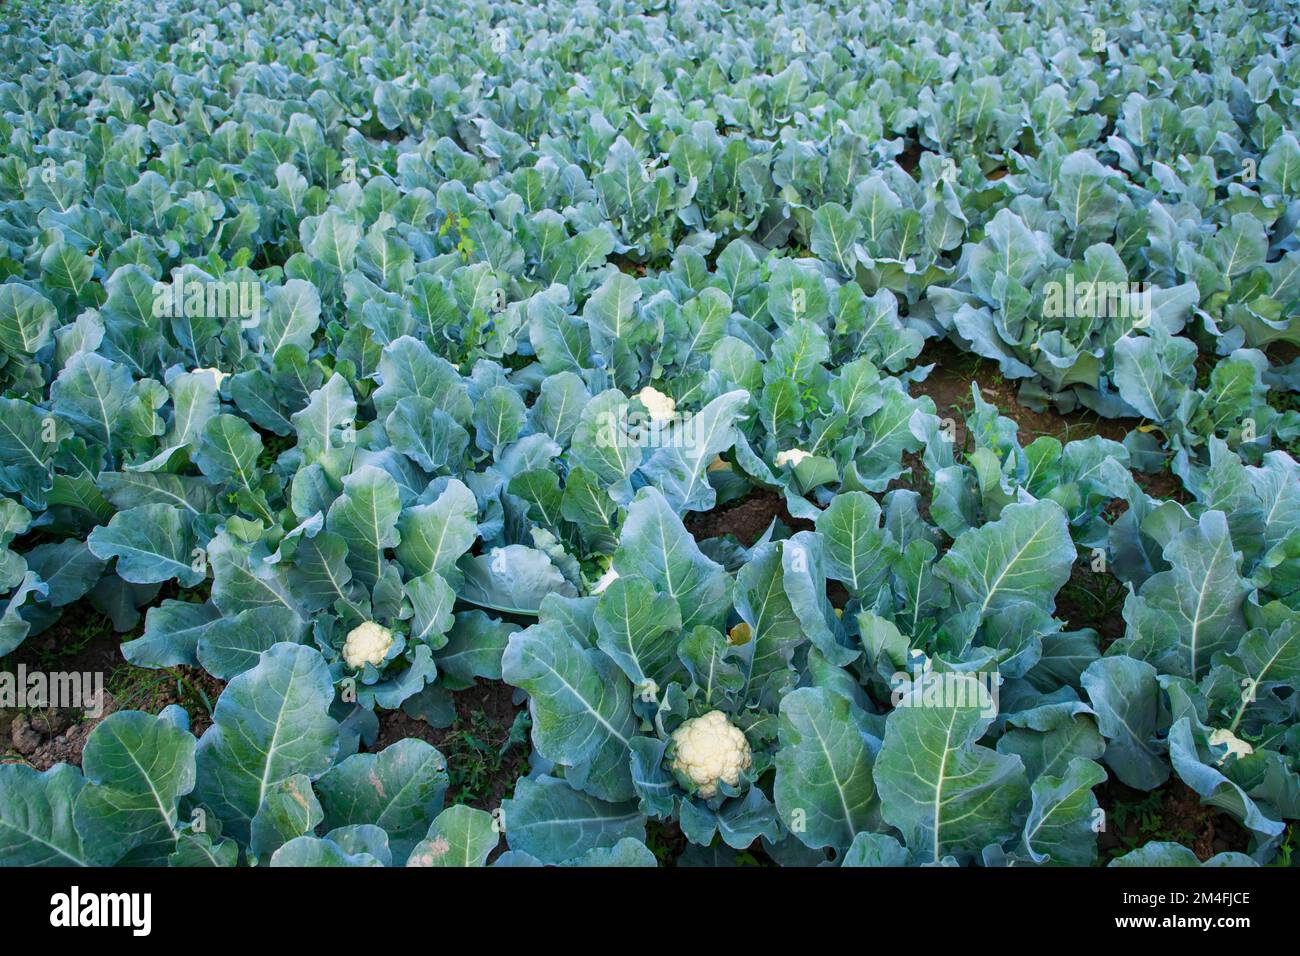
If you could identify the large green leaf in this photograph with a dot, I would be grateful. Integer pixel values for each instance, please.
(581, 712)
(399, 789)
(1023, 556)
(152, 543)
(270, 723)
(656, 546)
(553, 822)
(36, 814)
(945, 792)
(137, 768)
(824, 790)
(460, 836)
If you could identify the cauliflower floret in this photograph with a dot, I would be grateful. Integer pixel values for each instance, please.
(367, 643)
(719, 464)
(660, 406)
(1236, 746)
(606, 579)
(791, 457)
(708, 749)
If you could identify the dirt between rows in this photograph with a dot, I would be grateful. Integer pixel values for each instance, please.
(1173, 812)
(83, 642)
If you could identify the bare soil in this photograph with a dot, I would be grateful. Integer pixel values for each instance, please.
(83, 642)
(746, 520)
(481, 775)
(949, 385)
(1172, 813)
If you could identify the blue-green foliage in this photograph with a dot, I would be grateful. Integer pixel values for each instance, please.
(326, 312)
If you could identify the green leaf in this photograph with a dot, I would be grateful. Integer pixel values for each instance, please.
(553, 822)
(639, 629)
(946, 793)
(27, 320)
(824, 790)
(152, 543)
(137, 768)
(656, 546)
(434, 536)
(289, 810)
(858, 551)
(460, 836)
(365, 516)
(270, 723)
(1060, 828)
(1126, 698)
(514, 579)
(580, 716)
(36, 816)
(399, 789)
(1023, 556)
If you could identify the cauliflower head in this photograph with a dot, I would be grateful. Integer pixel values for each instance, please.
(791, 457)
(367, 643)
(660, 406)
(1237, 747)
(708, 749)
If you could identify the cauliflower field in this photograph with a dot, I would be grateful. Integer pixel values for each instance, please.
(840, 433)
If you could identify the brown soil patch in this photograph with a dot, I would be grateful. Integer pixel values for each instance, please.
(746, 520)
(481, 774)
(82, 641)
(949, 385)
(1172, 813)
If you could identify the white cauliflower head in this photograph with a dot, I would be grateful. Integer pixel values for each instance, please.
(791, 457)
(660, 406)
(708, 749)
(1236, 746)
(367, 643)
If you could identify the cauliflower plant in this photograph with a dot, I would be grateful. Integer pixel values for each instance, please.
(660, 406)
(367, 643)
(708, 749)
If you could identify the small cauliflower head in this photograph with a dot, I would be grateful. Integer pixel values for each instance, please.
(791, 457)
(1237, 748)
(367, 643)
(660, 406)
(708, 749)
